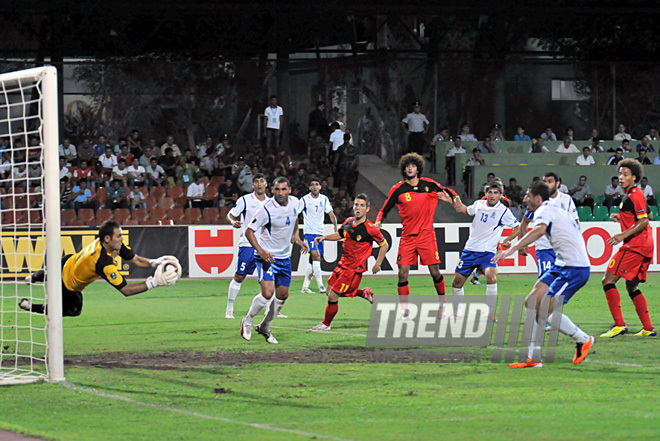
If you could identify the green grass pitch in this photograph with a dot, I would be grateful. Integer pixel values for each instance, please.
(146, 368)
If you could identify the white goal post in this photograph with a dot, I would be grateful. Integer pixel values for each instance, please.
(31, 347)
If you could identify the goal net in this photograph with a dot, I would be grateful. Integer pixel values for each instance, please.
(30, 344)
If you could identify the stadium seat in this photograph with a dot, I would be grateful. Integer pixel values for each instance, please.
(211, 194)
(600, 199)
(122, 215)
(223, 216)
(67, 216)
(601, 213)
(165, 203)
(175, 214)
(103, 215)
(181, 201)
(194, 214)
(140, 215)
(157, 214)
(654, 211)
(101, 194)
(217, 181)
(128, 222)
(35, 216)
(175, 192)
(584, 214)
(149, 222)
(209, 215)
(76, 223)
(157, 192)
(144, 191)
(86, 215)
(614, 209)
(20, 200)
(150, 202)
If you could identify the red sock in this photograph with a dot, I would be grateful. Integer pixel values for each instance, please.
(359, 293)
(330, 312)
(404, 292)
(440, 287)
(614, 302)
(642, 310)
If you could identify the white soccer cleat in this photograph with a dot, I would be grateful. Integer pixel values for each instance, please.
(322, 289)
(321, 327)
(267, 335)
(405, 316)
(280, 315)
(246, 330)
(306, 290)
(229, 314)
(25, 304)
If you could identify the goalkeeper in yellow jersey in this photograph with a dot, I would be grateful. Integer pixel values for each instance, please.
(99, 260)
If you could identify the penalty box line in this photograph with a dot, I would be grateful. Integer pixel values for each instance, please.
(324, 332)
(261, 426)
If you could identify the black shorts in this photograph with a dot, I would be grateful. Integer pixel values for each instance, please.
(72, 301)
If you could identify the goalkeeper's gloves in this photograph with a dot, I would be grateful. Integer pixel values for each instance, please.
(155, 262)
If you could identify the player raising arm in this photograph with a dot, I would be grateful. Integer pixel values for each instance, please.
(100, 260)
(416, 198)
(358, 234)
(633, 258)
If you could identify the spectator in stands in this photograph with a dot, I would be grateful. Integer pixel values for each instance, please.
(336, 139)
(537, 146)
(648, 192)
(155, 150)
(415, 125)
(570, 132)
(496, 134)
(613, 193)
(621, 134)
(81, 197)
(317, 120)
(273, 122)
(65, 193)
(366, 131)
(581, 193)
(643, 159)
(86, 152)
(6, 167)
(83, 171)
(549, 135)
(317, 148)
(135, 143)
(120, 172)
(441, 136)
(520, 135)
(155, 174)
(514, 192)
(68, 150)
(228, 193)
(340, 119)
(145, 159)
(108, 160)
(465, 134)
(168, 162)
(100, 146)
(645, 145)
(125, 154)
(34, 174)
(195, 193)
(185, 171)
(347, 165)
(120, 143)
(169, 144)
(616, 157)
(625, 145)
(224, 147)
(244, 180)
(474, 161)
(137, 199)
(456, 148)
(116, 196)
(64, 170)
(486, 146)
(585, 158)
(595, 146)
(567, 146)
(656, 160)
(594, 135)
(137, 174)
(450, 164)
(653, 134)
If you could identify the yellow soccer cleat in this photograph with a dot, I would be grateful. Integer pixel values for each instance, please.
(614, 331)
(645, 333)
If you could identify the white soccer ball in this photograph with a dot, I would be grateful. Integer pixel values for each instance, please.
(170, 269)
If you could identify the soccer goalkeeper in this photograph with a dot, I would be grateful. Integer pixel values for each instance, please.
(99, 260)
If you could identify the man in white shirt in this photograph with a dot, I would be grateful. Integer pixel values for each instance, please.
(136, 173)
(490, 218)
(120, 172)
(195, 193)
(569, 273)
(621, 135)
(277, 225)
(586, 158)
(64, 170)
(314, 206)
(245, 209)
(68, 150)
(108, 160)
(155, 174)
(273, 120)
(415, 125)
(648, 192)
(613, 193)
(567, 146)
(455, 148)
(169, 144)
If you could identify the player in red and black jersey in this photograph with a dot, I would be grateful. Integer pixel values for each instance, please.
(633, 258)
(416, 198)
(358, 234)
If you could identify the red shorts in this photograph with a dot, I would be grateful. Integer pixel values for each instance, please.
(345, 282)
(629, 265)
(423, 245)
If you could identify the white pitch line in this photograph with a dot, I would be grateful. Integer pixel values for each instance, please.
(324, 332)
(199, 415)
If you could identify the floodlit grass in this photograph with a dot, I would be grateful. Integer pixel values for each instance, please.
(612, 395)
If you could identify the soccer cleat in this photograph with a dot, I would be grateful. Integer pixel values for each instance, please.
(614, 331)
(582, 349)
(246, 330)
(280, 315)
(368, 295)
(25, 304)
(322, 289)
(475, 281)
(321, 327)
(306, 290)
(229, 314)
(36, 277)
(526, 364)
(645, 333)
(492, 318)
(405, 316)
(267, 335)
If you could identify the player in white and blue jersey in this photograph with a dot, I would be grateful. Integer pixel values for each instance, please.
(245, 209)
(490, 218)
(545, 256)
(314, 206)
(277, 225)
(569, 273)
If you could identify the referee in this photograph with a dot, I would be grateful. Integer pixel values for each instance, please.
(415, 125)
